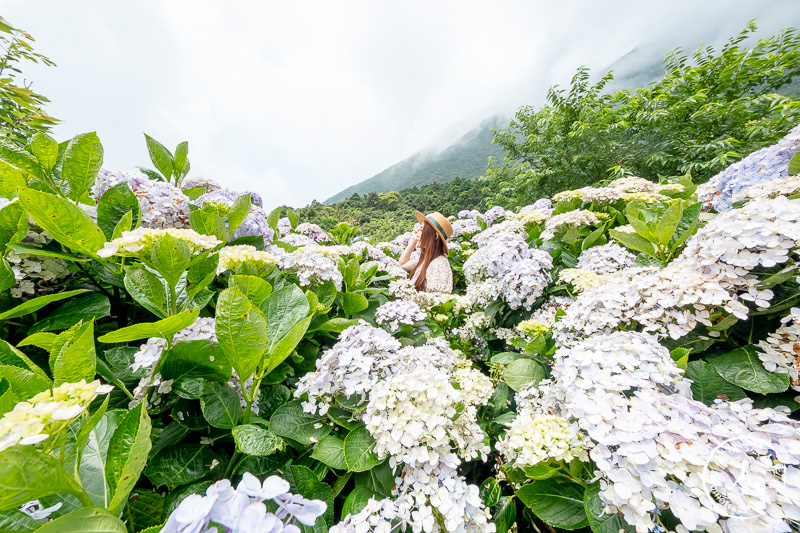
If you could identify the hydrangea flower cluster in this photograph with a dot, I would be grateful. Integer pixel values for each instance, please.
(200, 182)
(313, 263)
(162, 204)
(33, 421)
(411, 412)
(533, 328)
(254, 224)
(466, 226)
(576, 218)
(768, 164)
(398, 312)
(33, 273)
(504, 265)
(316, 233)
(231, 257)
(474, 324)
(243, 509)
(605, 259)
(137, 242)
(541, 432)
(711, 273)
(298, 240)
(656, 447)
(349, 368)
(494, 214)
(780, 351)
(580, 279)
(788, 186)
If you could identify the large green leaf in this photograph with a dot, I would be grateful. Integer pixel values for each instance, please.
(669, 222)
(195, 359)
(633, 241)
(286, 345)
(181, 464)
(28, 474)
(742, 367)
(45, 149)
(127, 454)
(67, 223)
(13, 224)
(16, 521)
(170, 257)
(330, 451)
(91, 306)
(353, 303)
(76, 359)
(145, 510)
(93, 456)
(163, 328)
(255, 440)
(255, 288)
(89, 520)
(505, 513)
(220, 405)
(358, 450)
(7, 278)
(148, 289)
(599, 521)
(33, 305)
(283, 309)
(112, 207)
(11, 179)
(291, 422)
(207, 223)
(708, 385)
(794, 165)
(24, 383)
(17, 158)
(558, 504)
(241, 331)
(687, 226)
(180, 163)
(13, 357)
(160, 156)
(303, 481)
(238, 212)
(522, 372)
(83, 159)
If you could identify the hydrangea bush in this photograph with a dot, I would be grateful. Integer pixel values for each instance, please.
(176, 358)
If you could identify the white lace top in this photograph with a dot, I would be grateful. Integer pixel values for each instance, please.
(439, 277)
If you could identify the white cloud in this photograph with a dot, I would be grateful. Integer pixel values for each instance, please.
(298, 100)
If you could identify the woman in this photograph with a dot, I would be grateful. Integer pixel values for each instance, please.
(431, 271)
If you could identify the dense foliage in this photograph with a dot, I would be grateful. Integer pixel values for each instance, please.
(710, 108)
(175, 359)
(381, 216)
(21, 113)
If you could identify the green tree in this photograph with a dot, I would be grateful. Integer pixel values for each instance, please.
(710, 109)
(21, 113)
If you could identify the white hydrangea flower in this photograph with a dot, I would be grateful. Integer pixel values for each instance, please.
(780, 351)
(242, 510)
(576, 218)
(504, 265)
(713, 272)
(580, 279)
(764, 165)
(313, 263)
(788, 186)
(34, 420)
(316, 233)
(231, 257)
(138, 242)
(605, 259)
(398, 312)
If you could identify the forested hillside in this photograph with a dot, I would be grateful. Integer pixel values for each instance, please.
(466, 158)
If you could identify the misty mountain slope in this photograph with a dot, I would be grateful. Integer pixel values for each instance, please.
(466, 158)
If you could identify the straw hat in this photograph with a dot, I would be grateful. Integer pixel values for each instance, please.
(439, 223)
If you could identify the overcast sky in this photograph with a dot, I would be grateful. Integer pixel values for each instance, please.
(298, 99)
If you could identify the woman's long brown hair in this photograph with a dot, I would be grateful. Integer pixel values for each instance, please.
(431, 248)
